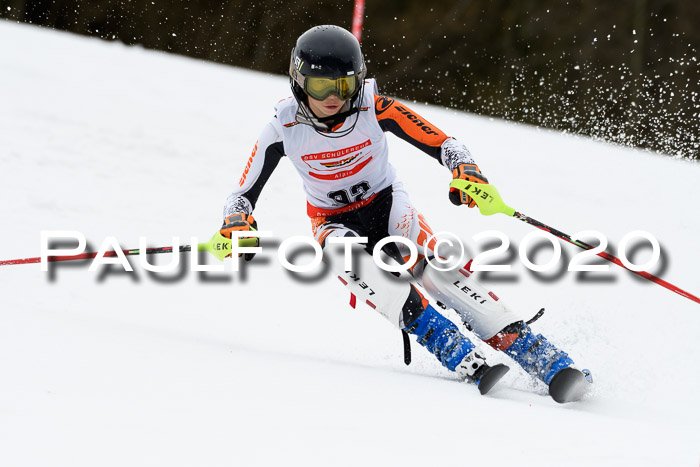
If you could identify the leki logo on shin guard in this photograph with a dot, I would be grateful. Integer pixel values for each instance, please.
(468, 291)
(362, 285)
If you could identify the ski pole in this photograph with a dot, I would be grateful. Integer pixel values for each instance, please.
(490, 202)
(91, 255)
(218, 246)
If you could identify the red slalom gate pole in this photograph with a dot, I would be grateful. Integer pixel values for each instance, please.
(358, 15)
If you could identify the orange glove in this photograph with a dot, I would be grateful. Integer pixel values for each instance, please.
(469, 172)
(240, 222)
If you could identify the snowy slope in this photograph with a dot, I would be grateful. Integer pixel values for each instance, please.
(261, 368)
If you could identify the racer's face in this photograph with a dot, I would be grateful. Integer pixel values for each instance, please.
(328, 107)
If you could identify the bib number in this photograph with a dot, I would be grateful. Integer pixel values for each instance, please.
(354, 194)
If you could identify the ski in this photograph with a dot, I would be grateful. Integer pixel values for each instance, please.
(490, 377)
(570, 385)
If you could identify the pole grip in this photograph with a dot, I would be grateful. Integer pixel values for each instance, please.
(486, 197)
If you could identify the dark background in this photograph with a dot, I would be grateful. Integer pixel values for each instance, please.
(625, 71)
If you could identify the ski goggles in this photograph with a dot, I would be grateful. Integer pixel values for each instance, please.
(321, 88)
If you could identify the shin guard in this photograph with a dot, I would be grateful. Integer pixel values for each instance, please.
(478, 307)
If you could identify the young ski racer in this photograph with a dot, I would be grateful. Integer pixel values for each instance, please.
(332, 129)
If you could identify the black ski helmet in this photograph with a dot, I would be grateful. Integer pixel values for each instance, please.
(329, 52)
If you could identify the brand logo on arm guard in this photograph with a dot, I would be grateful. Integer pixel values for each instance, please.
(416, 121)
(382, 104)
(247, 167)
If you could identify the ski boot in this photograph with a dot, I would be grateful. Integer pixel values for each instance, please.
(544, 361)
(455, 351)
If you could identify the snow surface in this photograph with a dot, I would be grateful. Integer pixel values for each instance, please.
(262, 368)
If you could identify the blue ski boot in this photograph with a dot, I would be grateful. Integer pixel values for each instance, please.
(544, 361)
(455, 351)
